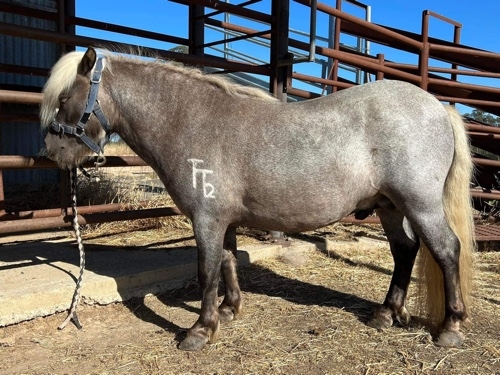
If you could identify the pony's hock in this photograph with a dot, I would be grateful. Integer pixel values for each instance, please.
(233, 156)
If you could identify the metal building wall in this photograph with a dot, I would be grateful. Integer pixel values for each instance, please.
(24, 138)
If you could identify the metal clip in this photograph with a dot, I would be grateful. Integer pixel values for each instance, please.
(100, 161)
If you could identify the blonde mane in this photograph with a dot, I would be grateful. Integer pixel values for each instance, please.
(63, 76)
(224, 83)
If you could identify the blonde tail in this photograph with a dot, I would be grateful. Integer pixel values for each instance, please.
(458, 211)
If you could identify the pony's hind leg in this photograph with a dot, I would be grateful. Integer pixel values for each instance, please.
(404, 246)
(444, 249)
(441, 273)
(231, 305)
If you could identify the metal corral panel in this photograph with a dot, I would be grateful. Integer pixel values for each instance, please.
(24, 138)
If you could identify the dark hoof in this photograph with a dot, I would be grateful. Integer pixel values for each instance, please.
(226, 314)
(382, 319)
(403, 317)
(450, 339)
(193, 342)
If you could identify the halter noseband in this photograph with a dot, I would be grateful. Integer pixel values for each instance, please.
(92, 107)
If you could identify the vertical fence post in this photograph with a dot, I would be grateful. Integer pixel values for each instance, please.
(423, 60)
(280, 11)
(196, 30)
(280, 75)
(381, 59)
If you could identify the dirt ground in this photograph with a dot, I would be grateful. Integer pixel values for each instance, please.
(301, 316)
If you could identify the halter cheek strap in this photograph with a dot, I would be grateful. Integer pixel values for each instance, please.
(92, 107)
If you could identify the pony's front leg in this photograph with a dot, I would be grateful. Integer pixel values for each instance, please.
(209, 239)
(231, 306)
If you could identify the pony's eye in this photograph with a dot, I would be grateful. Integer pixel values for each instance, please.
(63, 99)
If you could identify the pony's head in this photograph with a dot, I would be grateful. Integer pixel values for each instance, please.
(70, 98)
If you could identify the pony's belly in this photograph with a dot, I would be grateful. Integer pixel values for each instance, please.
(305, 209)
(285, 220)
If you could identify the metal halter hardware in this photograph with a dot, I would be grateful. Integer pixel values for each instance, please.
(92, 107)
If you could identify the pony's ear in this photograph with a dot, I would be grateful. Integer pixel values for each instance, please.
(85, 66)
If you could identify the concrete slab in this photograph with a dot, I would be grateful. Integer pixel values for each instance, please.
(38, 278)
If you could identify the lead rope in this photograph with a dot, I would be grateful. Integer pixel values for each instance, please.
(76, 295)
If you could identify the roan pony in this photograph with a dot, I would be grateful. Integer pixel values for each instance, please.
(233, 156)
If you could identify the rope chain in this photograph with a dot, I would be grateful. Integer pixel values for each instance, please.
(76, 295)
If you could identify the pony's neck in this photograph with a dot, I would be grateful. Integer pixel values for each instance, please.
(135, 93)
(141, 97)
(144, 93)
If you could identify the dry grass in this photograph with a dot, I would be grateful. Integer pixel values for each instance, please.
(118, 148)
(297, 319)
(121, 185)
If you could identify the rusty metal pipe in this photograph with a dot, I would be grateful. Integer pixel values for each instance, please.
(55, 37)
(437, 69)
(230, 8)
(304, 77)
(28, 162)
(65, 20)
(302, 93)
(463, 50)
(368, 25)
(359, 61)
(442, 18)
(478, 194)
(466, 86)
(479, 135)
(31, 225)
(472, 102)
(423, 58)
(482, 128)
(11, 96)
(486, 162)
(56, 212)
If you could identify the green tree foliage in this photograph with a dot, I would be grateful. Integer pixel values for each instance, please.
(180, 49)
(483, 117)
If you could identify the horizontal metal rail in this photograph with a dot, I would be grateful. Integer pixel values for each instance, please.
(31, 225)
(56, 37)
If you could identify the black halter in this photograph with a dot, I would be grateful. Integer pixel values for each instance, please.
(92, 107)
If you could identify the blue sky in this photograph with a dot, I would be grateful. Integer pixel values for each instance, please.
(481, 28)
